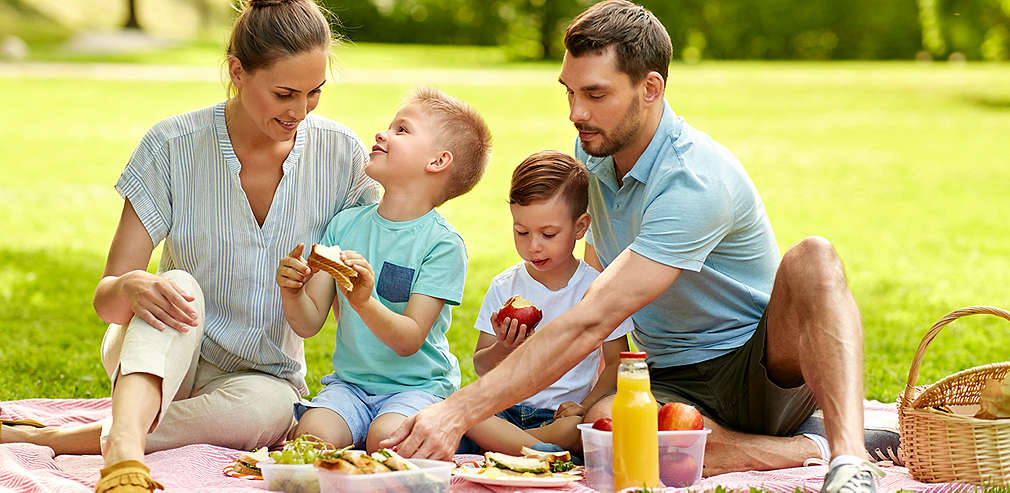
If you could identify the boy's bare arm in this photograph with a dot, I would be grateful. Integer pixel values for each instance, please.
(404, 334)
(305, 296)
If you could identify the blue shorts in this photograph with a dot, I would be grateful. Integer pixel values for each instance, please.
(358, 408)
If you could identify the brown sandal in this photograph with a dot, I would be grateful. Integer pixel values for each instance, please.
(128, 476)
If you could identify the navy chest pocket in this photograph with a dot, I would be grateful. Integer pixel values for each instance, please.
(394, 282)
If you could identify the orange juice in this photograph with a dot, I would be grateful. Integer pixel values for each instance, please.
(636, 446)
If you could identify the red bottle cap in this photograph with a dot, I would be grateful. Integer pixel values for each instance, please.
(632, 354)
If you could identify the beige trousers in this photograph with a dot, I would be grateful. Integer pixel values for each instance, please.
(200, 403)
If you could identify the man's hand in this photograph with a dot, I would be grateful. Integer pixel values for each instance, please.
(433, 433)
(509, 332)
(569, 408)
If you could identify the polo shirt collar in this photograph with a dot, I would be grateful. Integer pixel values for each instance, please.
(668, 130)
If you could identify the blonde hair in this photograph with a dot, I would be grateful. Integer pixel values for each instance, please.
(268, 30)
(464, 133)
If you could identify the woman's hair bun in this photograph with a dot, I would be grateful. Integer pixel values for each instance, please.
(268, 3)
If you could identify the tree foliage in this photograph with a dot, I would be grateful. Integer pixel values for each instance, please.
(722, 29)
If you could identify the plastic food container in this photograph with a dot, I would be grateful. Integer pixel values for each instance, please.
(681, 455)
(291, 478)
(433, 477)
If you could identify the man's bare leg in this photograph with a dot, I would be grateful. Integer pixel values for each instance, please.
(733, 451)
(812, 313)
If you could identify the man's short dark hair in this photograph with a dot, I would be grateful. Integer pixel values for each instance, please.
(640, 41)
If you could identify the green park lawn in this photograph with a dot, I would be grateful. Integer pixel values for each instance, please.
(903, 166)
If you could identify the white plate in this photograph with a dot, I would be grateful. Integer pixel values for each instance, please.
(517, 481)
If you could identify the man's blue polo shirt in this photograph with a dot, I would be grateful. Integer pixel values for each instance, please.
(687, 203)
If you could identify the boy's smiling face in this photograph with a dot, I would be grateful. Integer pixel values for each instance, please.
(402, 151)
(545, 232)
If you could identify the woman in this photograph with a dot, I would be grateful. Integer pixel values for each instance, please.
(201, 353)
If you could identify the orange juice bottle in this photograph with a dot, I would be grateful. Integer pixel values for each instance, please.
(636, 423)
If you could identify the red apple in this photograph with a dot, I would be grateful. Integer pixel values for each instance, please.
(680, 416)
(603, 424)
(678, 470)
(522, 310)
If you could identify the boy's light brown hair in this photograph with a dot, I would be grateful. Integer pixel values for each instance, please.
(640, 41)
(464, 134)
(545, 174)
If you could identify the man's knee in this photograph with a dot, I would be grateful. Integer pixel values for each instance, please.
(601, 409)
(813, 264)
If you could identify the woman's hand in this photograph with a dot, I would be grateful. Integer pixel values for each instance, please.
(363, 283)
(509, 332)
(158, 301)
(293, 272)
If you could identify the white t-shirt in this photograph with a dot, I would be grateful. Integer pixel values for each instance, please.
(576, 384)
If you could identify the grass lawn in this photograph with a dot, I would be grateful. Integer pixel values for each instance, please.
(902, 166)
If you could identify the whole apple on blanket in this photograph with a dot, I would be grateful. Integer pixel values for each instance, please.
(521, 310)
(680, 416)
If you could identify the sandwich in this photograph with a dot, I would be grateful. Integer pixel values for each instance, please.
(248, 462)
(558, 461)
(352, 462)
(327, 259)
(393, 460)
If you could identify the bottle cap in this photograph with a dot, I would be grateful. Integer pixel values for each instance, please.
(632, 355)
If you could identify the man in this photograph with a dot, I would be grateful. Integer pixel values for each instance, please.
(754, 342)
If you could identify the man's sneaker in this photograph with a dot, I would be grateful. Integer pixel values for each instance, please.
(852, 478)
(881, 445)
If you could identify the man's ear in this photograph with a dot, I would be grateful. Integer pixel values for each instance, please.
(653, 87)
(440, 164)
(582, 225)
(236, 72)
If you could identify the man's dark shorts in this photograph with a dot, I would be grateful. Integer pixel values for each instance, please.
(735, 390)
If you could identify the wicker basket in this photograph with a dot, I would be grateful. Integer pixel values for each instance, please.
(944, 447)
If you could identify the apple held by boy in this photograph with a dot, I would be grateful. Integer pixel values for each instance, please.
(521, 310)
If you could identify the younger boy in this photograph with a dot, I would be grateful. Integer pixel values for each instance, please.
(392, 358)
(548, 198)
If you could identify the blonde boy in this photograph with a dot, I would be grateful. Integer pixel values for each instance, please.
(392, 358)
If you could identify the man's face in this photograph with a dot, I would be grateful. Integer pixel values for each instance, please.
(603, 102)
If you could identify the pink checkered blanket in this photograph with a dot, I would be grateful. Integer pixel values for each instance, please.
(199, 468)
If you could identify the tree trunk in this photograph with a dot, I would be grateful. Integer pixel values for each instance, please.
(131, 19)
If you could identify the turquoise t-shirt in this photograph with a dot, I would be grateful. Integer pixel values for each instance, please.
(425, 256)
(687, 203)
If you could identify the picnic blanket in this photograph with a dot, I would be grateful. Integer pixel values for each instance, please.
(199, 468)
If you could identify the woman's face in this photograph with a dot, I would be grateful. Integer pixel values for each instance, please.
(279, 96)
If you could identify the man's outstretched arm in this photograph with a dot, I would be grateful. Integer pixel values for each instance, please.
(626, 285)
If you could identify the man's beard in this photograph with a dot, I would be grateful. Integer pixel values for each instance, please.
(622, 135)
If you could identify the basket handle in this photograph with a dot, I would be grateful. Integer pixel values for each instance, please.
(913, 372)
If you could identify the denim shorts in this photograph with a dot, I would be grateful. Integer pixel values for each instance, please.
(527, 417)
(358, 408)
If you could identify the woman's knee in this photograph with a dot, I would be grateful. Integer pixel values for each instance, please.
(185, 281)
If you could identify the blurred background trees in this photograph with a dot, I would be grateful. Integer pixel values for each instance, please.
(532, 29)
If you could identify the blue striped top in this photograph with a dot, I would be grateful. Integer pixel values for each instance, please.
(183, 181)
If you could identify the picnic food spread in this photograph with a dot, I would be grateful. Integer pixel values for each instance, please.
(248, 462)
(327, 259)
